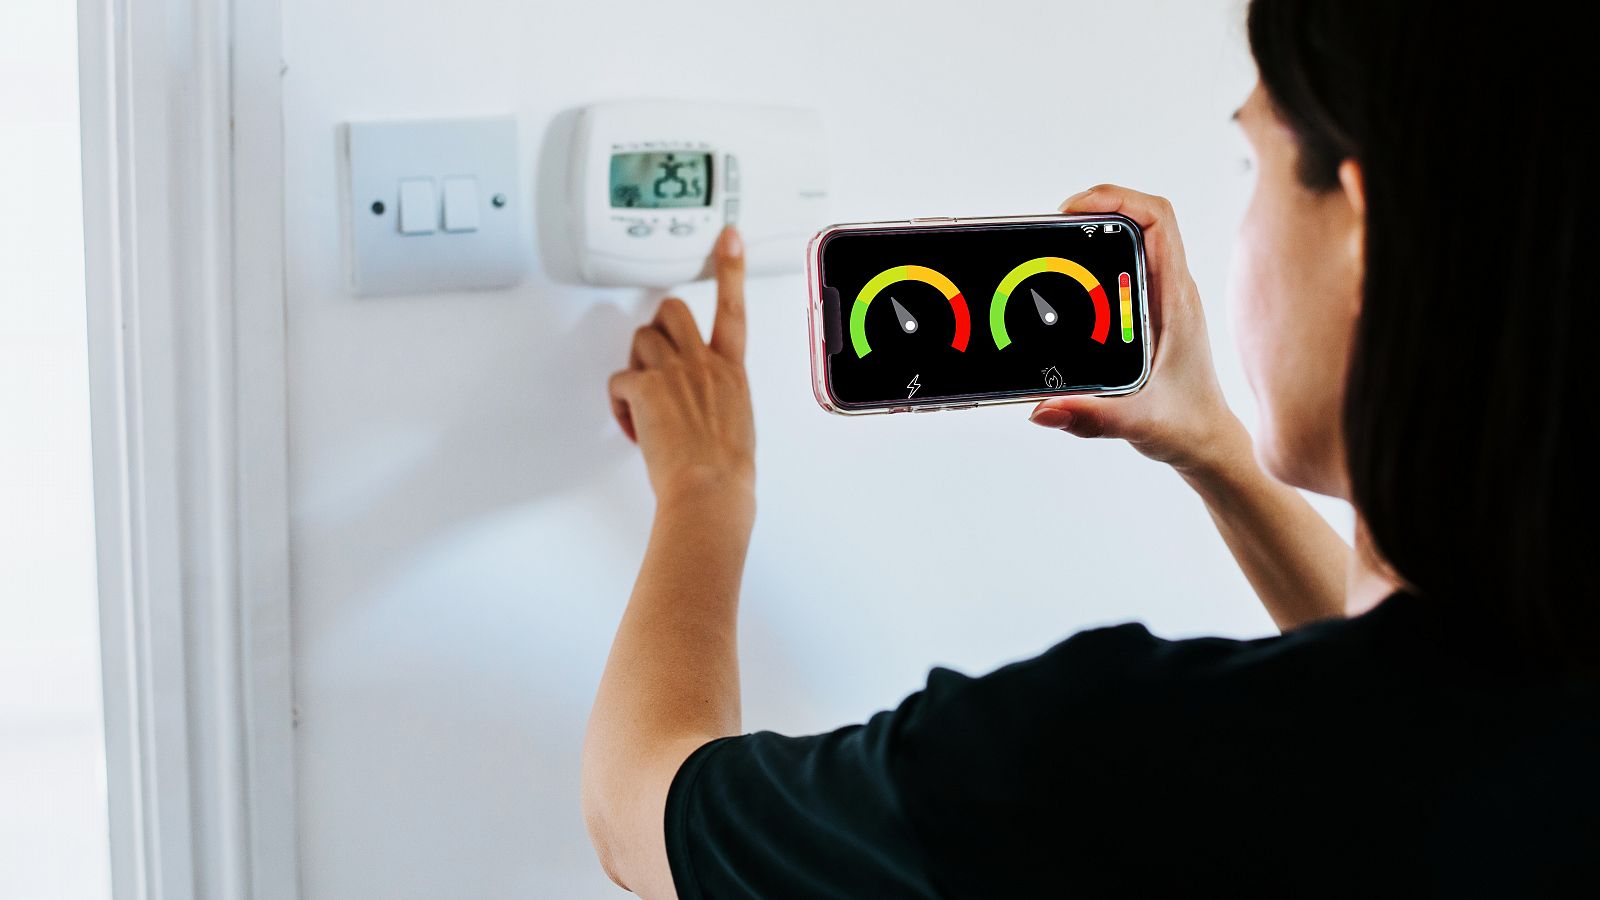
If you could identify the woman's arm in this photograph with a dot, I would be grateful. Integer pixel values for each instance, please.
(1292, 557)
(1297, 564)
(672, 680)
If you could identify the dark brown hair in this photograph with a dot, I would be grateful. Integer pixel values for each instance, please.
(1469, 385)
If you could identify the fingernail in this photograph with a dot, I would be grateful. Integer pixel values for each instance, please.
(1065, 204)
(1051, 418)
(731, 244)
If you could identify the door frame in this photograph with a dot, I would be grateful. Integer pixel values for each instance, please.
(182, 122)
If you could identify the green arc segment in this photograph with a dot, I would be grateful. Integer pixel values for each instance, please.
(894, 275)
(1097, 294)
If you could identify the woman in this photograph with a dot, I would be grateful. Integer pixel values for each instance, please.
(1409, 310)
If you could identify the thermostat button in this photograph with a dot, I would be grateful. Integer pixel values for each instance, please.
(639, 229)
(681, 228)
(731, 211)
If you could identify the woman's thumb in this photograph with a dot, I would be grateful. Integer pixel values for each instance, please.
(1081, 416)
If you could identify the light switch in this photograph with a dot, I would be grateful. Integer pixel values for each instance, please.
(433, 205)
(461, 204)
(419, 206)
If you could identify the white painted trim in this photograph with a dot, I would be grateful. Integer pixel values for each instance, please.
(183, 195)
(262, 426)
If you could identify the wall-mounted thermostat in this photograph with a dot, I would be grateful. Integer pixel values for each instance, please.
(653, 182)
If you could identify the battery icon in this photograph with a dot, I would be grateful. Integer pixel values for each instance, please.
(1110, 227)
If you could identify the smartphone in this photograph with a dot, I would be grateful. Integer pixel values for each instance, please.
(949, 313)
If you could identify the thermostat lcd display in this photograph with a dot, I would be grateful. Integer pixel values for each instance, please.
(660, 180)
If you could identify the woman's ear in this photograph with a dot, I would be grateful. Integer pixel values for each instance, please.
(1354, 186)
(1354, 189)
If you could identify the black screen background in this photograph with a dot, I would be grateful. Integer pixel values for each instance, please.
(976, 258)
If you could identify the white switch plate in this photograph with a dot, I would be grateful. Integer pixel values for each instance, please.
(378, 156)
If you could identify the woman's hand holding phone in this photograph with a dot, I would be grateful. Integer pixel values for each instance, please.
(685, 401)
(1292, 558)
(1180, 416)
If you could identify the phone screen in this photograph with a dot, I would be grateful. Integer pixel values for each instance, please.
(927, 315)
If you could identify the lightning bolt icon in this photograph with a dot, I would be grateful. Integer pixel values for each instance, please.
(913, 386)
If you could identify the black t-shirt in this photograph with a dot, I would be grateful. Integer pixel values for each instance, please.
(1392, 754)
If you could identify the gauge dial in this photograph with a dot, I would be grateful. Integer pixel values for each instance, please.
(908, 323)
(1039, 265)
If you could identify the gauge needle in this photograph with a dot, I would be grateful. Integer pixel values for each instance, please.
(907, 322)
(1047, 313)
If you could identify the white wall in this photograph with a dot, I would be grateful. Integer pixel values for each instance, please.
(467, 519)
(53, 838)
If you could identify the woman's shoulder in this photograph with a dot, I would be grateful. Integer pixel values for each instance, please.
(1118, 693)
(1126, 662)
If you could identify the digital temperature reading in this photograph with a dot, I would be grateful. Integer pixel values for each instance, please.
(660, 180)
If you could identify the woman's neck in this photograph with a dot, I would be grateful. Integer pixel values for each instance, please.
(1370, 579)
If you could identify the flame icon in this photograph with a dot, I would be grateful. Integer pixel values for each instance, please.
(1052, 379)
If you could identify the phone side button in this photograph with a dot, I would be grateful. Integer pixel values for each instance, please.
(919, 220)
(964, 406)
(899, 409)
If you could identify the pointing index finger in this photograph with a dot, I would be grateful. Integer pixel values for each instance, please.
(728, 329)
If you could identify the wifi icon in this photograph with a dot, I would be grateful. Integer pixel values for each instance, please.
(1089, 229)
